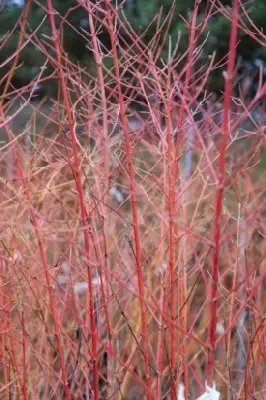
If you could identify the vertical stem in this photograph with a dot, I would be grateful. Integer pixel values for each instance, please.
(182, 278)
(76, 169)
(144, 325)
(24, 355)
(220, 192)
(171, 230)
(160, 345)
(243, 278)
(98, 60)
(163, 291)
(5, 329)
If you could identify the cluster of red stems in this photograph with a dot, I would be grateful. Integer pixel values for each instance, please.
(132, 256)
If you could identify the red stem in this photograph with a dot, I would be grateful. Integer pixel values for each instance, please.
(220, 192)
(144, 325)
(76, 169)
(171, 227)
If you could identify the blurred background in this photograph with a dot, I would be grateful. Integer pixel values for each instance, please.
(143, 15)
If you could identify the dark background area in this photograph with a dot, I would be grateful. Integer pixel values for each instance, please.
(140, 13)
